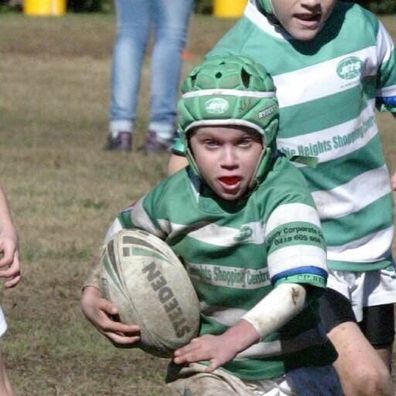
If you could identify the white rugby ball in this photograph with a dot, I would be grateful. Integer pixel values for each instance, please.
(149, 285)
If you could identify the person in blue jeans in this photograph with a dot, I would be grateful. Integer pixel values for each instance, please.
(136, 19)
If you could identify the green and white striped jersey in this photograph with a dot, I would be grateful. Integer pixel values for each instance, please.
(328, 89)
(236, 252)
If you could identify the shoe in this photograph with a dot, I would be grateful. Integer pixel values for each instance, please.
(154, 144)
(122, 142)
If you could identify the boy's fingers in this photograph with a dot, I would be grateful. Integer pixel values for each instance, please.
(193, 344)
(107, 324)
(12, 282)
(118, 327)
(12, 274)
(191, 355)
(121, 339)
(8, 248)
(181, 354)
(212, 367)
(12, 270)
(120, 333)
(108, 307)
(6, 258)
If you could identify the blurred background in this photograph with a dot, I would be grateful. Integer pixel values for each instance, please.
(202, 6)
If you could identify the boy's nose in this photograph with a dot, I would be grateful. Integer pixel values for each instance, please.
(311, 4)
(229, 158)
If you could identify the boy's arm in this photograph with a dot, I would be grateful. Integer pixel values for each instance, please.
(393, 179)
(99, 311)
(276, 309)
(386, 74)
(103, 313)
(9, 262)
(290, 266)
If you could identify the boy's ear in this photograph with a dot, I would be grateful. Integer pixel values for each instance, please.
(266, 6)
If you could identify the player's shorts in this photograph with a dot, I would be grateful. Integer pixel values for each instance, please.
(308, 381)
(363, 297)
(3, 323)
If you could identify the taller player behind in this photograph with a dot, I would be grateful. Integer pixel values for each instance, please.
(333, 63)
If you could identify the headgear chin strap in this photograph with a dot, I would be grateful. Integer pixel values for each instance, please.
(266, 6)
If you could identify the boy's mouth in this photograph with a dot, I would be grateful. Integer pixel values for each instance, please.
(230, 180)
(310, 17)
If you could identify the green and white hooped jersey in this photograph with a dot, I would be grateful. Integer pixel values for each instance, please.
(236, 252)
(328, 89)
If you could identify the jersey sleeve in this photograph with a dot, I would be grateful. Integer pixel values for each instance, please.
(296, 247)
(386, 82)
(141, 215)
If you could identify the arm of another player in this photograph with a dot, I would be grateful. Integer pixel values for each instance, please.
(271, 313)
(9, 262)
(393, 178)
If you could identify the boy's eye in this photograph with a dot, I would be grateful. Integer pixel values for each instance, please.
(245, 142)
(210, 143)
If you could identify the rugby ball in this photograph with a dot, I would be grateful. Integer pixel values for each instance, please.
(149, 285)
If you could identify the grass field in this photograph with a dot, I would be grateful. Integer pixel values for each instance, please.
(64, 190)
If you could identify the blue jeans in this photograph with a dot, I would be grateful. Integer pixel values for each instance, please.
(169, 20)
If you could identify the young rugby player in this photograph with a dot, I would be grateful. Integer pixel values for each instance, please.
(243, 222)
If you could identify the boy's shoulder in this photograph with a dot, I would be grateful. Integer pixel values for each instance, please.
(171, 197)
(235, 39)
(174, 184)
(354, 13)
(285, 182)
(284, 171)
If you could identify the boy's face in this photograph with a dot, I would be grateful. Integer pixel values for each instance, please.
(227, 157)
(303, 19)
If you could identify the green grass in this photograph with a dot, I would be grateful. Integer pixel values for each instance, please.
(65, 190)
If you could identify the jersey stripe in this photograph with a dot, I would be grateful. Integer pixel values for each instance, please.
(337, 141)
(340, 201)
(370, 248)
(287, 258)
(318, 73)
(374, 217)
(289, 213)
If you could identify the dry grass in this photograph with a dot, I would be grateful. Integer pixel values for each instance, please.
(65, 189)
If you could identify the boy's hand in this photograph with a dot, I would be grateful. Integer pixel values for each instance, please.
(9, 261)
(393, 181)
(218, 349)
(208, 347)
(100, 311)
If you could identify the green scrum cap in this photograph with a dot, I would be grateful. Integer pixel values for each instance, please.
(231, 90)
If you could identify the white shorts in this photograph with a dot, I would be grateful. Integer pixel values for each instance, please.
(365, 289)
(3, 323)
